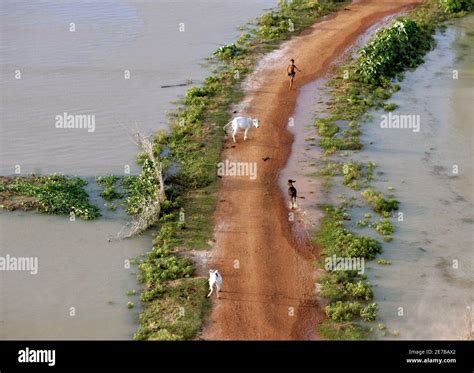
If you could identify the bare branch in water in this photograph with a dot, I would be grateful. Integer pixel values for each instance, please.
(151, 207)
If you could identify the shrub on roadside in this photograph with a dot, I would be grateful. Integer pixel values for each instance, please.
(343, 311)
(392, 50)
(359, 290)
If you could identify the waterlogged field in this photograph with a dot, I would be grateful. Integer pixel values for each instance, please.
(417, 149)
(119, 67)
(425, 292)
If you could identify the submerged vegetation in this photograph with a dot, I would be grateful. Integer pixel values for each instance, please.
(337, 240)
(366, 82)
(348, 293)
(380, 204)
(54, 194)
(109, 193)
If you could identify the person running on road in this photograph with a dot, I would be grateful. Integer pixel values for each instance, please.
(291, 70)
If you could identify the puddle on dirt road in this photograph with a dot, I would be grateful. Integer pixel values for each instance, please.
(301, 165)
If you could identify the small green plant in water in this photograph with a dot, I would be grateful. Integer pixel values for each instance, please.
(229, 52)
(53, 194)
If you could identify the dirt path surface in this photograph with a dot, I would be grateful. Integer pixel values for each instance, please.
(269, 275)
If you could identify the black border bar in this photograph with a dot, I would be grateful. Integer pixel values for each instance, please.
(317, 356)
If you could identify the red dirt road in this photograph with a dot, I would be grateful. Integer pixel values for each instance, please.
(269, 274)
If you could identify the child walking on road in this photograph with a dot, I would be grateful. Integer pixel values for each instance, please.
(291, 70)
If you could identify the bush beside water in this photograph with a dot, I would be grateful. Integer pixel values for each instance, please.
(53, 194)
(363, 83)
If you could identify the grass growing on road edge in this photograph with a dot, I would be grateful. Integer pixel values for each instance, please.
(365, 83)
(189, 153)
(176, 303)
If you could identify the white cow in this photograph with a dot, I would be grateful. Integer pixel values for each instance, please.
(242, 123)
(215, 278)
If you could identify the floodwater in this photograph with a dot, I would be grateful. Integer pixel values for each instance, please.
(84, 73)
(81, 285)
(80, 290)
(426, 291)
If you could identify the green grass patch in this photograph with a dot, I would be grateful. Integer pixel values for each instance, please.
(385, 228)
(345, 286)
(343, 331)
(178, 314)
(351, 143)
(365, 221)
(337, 240)
(455, 6)
(390, 106)
(326, 129)
(198, 207)
(346, 311)
(352, 172)
(379, 203)
(53, 194)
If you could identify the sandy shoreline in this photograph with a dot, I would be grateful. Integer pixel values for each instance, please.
(269, 285)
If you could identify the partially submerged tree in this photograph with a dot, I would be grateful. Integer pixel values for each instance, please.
(151, 189)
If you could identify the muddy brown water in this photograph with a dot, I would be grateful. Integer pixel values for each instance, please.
(82, 72)
(425, 293)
